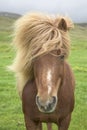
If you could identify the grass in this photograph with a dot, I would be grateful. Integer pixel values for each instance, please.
(11, 116)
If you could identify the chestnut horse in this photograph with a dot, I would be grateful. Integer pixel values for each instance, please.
(49, 97)
(44, 78)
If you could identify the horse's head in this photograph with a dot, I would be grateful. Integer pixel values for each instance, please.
(48, 71)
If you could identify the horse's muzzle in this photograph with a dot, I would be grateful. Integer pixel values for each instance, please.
(46, 106)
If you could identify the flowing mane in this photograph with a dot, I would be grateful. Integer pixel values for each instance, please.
(36, 34)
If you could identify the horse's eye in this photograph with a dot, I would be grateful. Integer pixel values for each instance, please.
(62, 57)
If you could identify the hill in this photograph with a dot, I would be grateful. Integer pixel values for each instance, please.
(7, 20)
(10, 15)
(6, 25)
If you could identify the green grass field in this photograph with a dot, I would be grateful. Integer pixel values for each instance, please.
(11, 116)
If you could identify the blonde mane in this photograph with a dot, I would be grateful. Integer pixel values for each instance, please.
(36, 34)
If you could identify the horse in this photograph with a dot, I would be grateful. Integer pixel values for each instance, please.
(45, 80)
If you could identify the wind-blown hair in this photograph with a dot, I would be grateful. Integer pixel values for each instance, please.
(36, 34)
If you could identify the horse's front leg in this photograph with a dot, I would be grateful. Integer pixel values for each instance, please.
(31, 125)
(64, 123)
(49, 126)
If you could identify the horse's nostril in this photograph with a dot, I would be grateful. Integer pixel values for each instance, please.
(37, 99)
(53, 102)
(54, 99)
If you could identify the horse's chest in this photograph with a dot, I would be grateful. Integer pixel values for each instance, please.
(41, 117)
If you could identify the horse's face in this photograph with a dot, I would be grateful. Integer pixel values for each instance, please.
(48, 71)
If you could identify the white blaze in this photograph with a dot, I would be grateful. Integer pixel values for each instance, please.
(49, 89)
(49, 77)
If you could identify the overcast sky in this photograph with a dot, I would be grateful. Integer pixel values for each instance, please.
(76, 9)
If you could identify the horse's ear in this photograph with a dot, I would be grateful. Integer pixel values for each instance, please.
(62, 25)
(65, 24)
